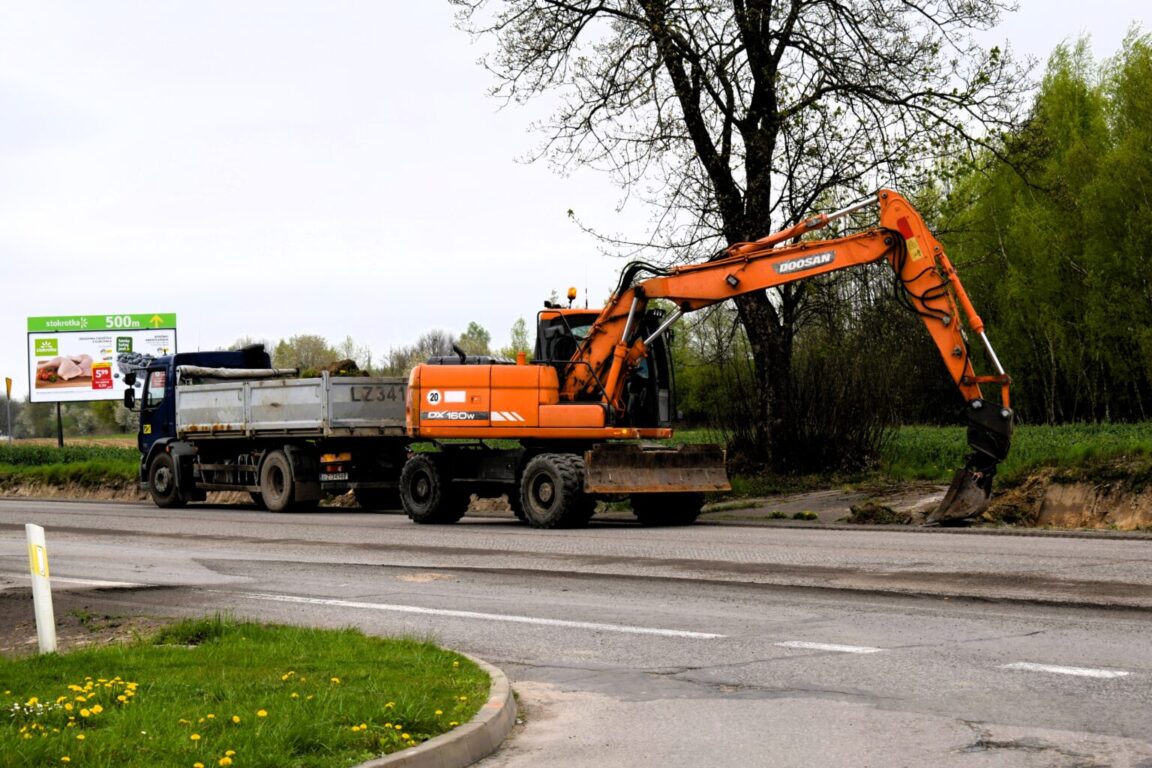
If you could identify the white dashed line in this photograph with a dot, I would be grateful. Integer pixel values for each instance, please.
(1077, 671)
(802, 645)
(485, 616)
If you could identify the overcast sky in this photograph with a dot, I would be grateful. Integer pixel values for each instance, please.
(268, 169)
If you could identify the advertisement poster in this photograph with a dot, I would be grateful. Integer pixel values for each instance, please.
(84, 357)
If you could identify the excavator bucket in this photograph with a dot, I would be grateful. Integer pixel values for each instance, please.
(633, 468)
(966, 498)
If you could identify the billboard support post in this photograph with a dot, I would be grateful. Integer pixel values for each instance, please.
(8, 405)
(59, 427)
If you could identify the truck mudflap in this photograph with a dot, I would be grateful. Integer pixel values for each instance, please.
(632, 468)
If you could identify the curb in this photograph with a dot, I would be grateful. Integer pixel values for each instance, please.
(467, 743)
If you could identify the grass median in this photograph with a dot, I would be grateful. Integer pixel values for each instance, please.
(220, 692)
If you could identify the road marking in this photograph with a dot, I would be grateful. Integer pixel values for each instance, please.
(801, 644)
(484, 616)
(1077, 671)
(82, 582)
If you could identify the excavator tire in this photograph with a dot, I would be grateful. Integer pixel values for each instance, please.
(653, 509)
(427, 495)
(552, 492)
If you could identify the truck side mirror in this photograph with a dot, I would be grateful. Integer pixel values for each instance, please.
(130, 378)
(130, 399)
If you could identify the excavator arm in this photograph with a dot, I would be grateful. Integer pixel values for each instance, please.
(929, 285)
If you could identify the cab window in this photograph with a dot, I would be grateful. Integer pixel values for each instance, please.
(154, 393)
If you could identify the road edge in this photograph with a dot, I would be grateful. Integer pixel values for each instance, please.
(467, 743)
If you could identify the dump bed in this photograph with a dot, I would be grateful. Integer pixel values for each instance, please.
(328, 406)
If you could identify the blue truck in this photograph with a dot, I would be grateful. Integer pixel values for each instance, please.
(230, 421)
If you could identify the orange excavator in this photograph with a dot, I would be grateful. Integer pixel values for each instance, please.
(587, 411)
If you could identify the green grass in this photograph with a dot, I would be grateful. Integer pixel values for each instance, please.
(70, 465)
(932, 453)
(218, 692)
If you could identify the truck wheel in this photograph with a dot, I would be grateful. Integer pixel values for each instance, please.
(377, 498)
(162, 482)
(427, 493)
(552, 492)
(654, 509)
(276, 484)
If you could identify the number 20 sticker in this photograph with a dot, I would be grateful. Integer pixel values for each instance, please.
(433, 397)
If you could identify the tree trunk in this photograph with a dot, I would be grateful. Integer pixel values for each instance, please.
(770, 339)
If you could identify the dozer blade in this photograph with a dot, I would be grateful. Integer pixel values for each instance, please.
(966, 498)
(631, 468)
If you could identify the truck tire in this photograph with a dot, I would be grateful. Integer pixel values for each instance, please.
(552, 492)
(653, 509)
(162, 482)
(277, 486)
(377, 499)
(427, 495)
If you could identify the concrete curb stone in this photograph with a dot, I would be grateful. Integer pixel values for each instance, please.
(467, 743)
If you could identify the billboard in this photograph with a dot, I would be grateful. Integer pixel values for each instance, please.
(83, 357)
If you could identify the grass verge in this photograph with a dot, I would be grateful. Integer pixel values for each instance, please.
(219, 692)
(89, 465)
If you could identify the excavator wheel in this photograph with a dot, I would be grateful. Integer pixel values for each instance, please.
(427, 495)
(552, 492)
(653, 509)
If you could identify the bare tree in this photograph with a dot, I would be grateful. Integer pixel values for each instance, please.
(733, 119)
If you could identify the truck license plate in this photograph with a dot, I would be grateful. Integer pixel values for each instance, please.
(330, 476)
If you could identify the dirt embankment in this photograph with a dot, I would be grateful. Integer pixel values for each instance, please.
(1059, 499)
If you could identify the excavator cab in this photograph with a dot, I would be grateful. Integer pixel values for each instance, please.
(650, 389)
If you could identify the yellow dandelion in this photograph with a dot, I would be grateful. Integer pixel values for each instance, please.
(210, 716)
(335, 681)
(405, 736)
(195, 737)
(389, 705)
(68, 707)
(463, 698)
(97, 709)
(453, 724)
(79, 737)
(235, 718)
(65, 759)
(121, 698)
(225, 760)
(439, 712)
(455, 664)
(84, 713)
(261, 713)
(197, 765)
(295, 695)
(229, 752)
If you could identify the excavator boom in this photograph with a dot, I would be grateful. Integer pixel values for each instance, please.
(930, 287)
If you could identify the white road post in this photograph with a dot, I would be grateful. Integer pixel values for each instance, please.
(41, 588)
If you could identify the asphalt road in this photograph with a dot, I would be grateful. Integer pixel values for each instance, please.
(712, 645)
